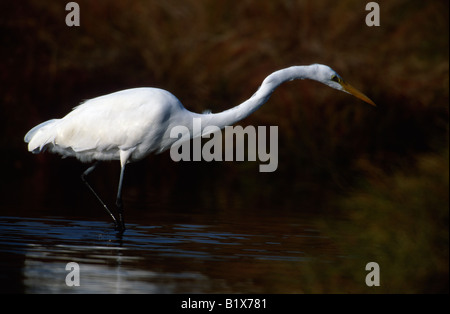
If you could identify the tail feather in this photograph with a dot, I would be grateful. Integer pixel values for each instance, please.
(39, 136)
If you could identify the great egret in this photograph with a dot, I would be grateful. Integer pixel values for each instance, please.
(130, 124)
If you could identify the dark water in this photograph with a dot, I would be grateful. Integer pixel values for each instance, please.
(263, 254)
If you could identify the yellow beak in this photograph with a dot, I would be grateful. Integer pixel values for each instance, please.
(351, 90)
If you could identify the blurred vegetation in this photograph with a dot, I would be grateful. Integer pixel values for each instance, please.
(385, 169)
(399, 220)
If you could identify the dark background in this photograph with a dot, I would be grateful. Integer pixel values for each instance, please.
(385, 169)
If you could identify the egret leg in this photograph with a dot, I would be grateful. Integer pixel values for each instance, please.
(119, 202)
(83, 178)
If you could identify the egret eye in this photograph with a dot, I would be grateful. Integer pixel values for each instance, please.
(336, 79)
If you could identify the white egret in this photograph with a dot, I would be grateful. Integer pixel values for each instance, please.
(130, 124)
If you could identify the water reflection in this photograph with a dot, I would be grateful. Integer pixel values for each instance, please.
(163, 258)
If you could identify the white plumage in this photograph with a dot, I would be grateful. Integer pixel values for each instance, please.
(132, 120)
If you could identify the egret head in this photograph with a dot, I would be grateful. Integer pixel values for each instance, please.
(328, 76)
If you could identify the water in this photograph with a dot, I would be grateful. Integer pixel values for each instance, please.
(170, 254)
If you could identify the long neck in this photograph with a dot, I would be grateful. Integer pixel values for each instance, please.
(270, 83)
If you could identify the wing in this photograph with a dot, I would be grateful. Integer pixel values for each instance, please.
(117, 121)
